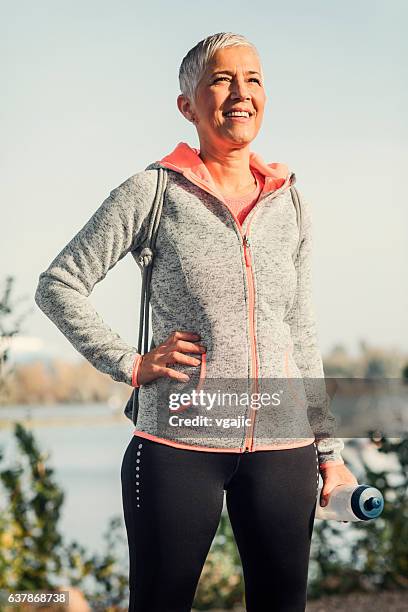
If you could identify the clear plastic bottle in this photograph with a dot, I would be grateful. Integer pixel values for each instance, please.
(351, 503)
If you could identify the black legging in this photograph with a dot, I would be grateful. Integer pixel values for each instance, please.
(172, 501)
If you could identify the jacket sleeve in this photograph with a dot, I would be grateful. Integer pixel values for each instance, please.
(117, 227)
(302, 321)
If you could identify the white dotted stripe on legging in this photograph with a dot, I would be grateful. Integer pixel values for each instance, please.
(138, 481)
(317, 469)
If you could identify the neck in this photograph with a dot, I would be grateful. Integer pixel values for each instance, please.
(229, 169)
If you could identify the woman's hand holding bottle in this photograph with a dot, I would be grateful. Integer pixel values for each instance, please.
(332, 477)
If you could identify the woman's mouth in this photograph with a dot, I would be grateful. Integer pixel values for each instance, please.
(239, 116)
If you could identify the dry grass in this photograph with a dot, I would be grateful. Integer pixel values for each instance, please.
(392, 601)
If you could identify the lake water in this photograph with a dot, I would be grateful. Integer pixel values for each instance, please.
(86, 458)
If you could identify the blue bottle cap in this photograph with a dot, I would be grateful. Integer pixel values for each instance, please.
(367, 502)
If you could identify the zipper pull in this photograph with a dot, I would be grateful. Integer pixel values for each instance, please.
(247, 245)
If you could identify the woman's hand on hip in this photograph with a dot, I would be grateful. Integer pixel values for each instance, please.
(157, 362)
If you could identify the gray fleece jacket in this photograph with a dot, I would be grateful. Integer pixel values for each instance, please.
(260, 384)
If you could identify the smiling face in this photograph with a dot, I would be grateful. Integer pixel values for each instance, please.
(231, 82)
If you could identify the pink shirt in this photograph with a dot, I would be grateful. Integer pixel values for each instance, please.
(242, 205)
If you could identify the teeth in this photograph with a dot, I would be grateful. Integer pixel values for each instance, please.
(237, 114)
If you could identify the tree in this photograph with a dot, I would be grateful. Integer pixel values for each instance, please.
(9, 327)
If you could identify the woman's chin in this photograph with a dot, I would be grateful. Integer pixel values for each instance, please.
(240, 136)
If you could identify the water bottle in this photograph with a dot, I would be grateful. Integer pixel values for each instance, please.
(351, 503)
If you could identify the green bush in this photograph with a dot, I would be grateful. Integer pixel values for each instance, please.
(33, 554)
(379, 548)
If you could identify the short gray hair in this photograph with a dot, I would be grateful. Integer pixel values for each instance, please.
(195, 62)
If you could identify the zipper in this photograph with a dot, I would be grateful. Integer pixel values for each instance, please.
(249, 436)
(248, 440)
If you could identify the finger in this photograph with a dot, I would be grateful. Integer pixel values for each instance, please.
(323, 500)
(176, 357)
(189, 347)
(170, 373)
(324, 496)
(183, 335)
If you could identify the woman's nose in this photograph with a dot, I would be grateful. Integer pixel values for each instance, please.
(240, 89)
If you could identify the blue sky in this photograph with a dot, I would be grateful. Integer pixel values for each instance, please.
(89, 98)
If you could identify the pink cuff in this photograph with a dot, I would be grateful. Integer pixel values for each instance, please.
(137, 362)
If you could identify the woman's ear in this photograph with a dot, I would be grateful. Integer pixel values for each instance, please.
(184, 107)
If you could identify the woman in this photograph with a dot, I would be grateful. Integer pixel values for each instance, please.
(229, 305)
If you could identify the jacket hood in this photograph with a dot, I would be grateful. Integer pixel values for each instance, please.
(186, 160)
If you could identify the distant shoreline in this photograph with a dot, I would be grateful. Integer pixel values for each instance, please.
(6, 424)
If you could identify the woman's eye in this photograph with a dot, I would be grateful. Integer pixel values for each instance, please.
(228, 78)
